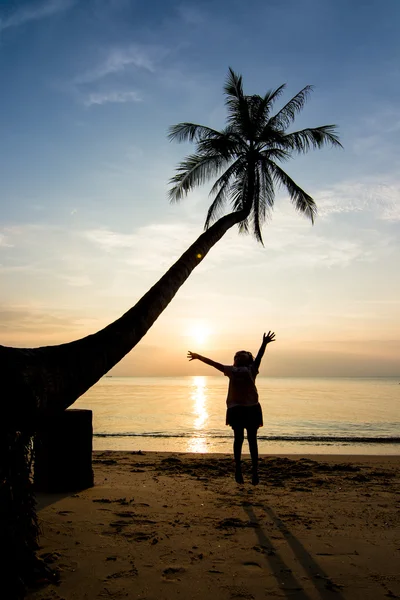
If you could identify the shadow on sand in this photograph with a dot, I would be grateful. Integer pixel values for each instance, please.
(287, 581)
(46, 499)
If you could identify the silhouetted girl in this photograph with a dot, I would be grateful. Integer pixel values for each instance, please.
(243, 408)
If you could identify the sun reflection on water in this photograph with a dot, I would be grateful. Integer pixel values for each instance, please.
(199, 398)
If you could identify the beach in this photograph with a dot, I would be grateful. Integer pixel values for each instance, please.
(162, 525)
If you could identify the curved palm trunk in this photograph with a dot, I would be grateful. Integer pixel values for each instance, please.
(51, 378)
(41, 381)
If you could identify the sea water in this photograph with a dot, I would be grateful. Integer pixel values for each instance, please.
(301, 415)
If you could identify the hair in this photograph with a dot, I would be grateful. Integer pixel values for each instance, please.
(245, 352)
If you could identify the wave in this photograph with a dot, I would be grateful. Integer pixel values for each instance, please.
(328, 439)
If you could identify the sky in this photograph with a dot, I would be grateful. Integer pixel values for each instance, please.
(88, 92)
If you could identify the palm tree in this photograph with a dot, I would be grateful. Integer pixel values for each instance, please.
(248, 151)
(43, 381)
(245, 155)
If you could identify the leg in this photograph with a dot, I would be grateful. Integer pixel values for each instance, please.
(237, 451)
(253, 446)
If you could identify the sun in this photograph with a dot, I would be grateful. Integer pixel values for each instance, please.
(199, 332)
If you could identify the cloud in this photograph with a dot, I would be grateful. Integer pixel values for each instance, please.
(3, 241)
(289, 247)
(28, 13)
(100, 98)
(34, 250)
(154, 248)
(112, 79)
(373, 196)
(120, 59)
(150, 248)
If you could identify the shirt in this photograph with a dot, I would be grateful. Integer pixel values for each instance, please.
(242, 389)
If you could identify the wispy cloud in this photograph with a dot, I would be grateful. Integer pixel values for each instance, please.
(3, 241)
(151, 248)
(289, 248)
(155, 247)
(373, 196)
(118, 60)
(112, 96)
(35, 12)
(114, 79)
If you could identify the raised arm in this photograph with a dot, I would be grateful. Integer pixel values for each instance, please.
(267, 339)
(204, 359)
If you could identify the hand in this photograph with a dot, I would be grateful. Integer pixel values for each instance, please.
(269, 337)
(192, 355)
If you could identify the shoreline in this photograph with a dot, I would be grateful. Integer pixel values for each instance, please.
(348, 456)
(204, 446)
(159, 525)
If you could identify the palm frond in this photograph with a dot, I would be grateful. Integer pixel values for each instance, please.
(233, 87)
(265, 105)
(300, 199)
(222, 145)
(254, 104)
(232, 133)
(237, 104)
(244, 226)
(233, 170)
(311, 138)
(269, 137)
(275, 154)
(287, 114)
(265, 201)
(272, 95)
(193, 171)
(220, 191)
(190, 132)
(258, 212)
(215, 210)
(267, 188)
(238, 192)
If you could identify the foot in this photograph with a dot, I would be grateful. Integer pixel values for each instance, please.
(255, 479)
(238, 475)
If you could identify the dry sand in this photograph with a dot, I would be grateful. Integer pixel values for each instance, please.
(161, 526)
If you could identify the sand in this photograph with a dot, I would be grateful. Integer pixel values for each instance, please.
(165, 526)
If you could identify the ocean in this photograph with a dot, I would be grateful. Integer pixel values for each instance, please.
(301, 415)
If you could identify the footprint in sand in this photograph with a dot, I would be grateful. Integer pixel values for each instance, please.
(123, 574)
(125, 514)
(252, 566)
(119, 524)
(140, 536)
(269, 550)
(172, 573)
(122, 501)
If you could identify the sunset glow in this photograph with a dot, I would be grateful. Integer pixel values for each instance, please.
(199, 333)
(83, 239)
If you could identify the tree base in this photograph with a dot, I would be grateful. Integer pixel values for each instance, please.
(18, 520)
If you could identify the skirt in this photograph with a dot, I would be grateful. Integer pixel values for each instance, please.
(246, 417)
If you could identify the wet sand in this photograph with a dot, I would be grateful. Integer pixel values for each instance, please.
(166, 526)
